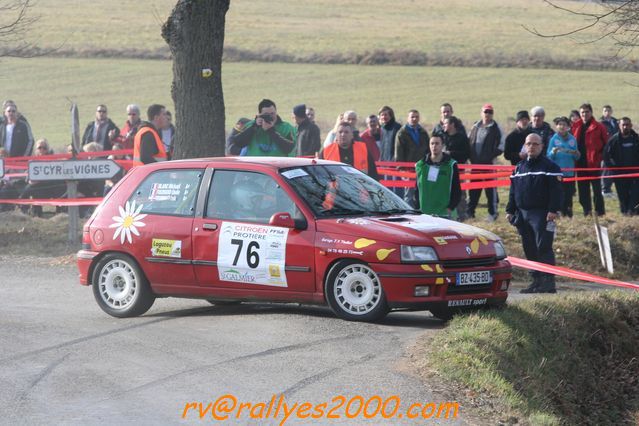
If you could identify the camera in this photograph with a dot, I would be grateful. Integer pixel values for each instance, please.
(266, 117)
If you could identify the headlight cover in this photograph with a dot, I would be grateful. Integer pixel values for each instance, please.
(500, 250)
(411, 254)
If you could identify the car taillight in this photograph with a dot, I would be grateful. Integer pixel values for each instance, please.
(86, 238)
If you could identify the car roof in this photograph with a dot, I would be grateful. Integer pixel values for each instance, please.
(269, 162)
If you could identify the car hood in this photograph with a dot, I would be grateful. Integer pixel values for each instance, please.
(414, 230)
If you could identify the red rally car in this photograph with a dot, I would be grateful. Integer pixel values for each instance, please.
(287, 230)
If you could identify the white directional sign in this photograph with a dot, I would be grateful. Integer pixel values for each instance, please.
(1, 167)
(72, 170)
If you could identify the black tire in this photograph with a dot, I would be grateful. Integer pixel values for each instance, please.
(120, 287)
(354, 292)
(223, 302)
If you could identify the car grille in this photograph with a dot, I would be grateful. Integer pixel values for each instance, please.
(469, 263)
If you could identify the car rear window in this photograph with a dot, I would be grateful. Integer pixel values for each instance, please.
(169, 192)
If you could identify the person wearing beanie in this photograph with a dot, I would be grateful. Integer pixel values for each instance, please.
(514, 150)
(308, 134)
(540, 127)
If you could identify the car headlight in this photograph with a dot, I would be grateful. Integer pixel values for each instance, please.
(500, 251)
(418, 254)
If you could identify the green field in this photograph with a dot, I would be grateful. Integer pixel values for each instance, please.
(455, 27)
(43, 88)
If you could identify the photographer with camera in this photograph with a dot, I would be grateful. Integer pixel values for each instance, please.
(266, 135)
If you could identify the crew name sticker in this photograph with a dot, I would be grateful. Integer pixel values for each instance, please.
(252, 254)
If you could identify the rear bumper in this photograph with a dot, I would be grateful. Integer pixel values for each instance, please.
(399, 282)
(85, 259)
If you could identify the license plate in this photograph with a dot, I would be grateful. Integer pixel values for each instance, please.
(475, 277)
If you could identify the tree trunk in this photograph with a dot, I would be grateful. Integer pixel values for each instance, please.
(195, 35)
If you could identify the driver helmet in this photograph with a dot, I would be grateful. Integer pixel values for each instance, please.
(247, 196)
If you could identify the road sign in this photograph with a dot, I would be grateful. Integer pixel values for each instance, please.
(1, 167)
(72, 170)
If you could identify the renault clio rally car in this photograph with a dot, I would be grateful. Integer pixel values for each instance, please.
(238, 229)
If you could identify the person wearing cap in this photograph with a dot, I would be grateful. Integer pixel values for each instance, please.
(539, 126)
(533, 202)
(622, 150)
(514, 149)
(266, 135)
(308, 134)
(485, 146)
(562, 149)
(346, 150)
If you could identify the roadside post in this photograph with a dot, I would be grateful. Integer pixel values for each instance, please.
(72, 171)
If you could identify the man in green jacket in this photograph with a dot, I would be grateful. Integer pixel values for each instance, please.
(266, 135)
(438, 188)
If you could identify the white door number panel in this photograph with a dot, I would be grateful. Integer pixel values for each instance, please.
(253, 254)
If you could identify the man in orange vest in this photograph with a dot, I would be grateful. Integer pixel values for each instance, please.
(147, 144)
(347, 151)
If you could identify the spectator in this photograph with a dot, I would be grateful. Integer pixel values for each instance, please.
(41, 189)
(485, 146)
(21, 118)
(308, 134)
(109, 183)
(130, 127)
(351, 118)
(562, 149)
(15, 135)
(539, 126)
(389, 130)
(457, 146)
(514, 150)
(533, 202)
(310, 113)
(348, 151)
(446, 110)
(411, 145)
(168, 136)
(622, 150)
(612, 126)
(330, 137)
(7, 190)
(372, 135)
(591, 138)
(267, 134)
(574, 116)
(101, 130)
(147, 145)
(239, 126)
(438, 190)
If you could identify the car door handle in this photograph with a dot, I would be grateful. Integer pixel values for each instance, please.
(209, 226)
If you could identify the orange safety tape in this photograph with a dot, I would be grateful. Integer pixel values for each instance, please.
(570, 273)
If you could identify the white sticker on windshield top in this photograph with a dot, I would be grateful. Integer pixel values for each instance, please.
(294, 173)
(349, 169)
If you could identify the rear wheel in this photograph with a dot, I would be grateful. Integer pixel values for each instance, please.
(120, 287)
(354, 292)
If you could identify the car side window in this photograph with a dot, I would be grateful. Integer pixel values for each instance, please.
(247, 196)
(169, 192)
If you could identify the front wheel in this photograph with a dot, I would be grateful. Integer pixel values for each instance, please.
(354, 292)
(120, 287)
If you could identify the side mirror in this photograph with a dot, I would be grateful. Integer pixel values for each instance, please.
(282, 219)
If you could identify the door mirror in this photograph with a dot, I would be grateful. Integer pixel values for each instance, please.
(282, 219)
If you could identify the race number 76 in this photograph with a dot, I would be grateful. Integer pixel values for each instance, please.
(252, 256)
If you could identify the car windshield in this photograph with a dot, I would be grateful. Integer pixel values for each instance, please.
(343, 191)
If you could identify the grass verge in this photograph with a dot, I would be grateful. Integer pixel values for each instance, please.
(553, 360)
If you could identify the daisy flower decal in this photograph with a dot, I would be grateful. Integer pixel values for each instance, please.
(128, 222)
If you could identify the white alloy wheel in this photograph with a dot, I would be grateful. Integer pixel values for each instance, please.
(355, 292)
(118, 284)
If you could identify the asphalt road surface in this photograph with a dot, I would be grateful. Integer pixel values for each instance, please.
(64, 361)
